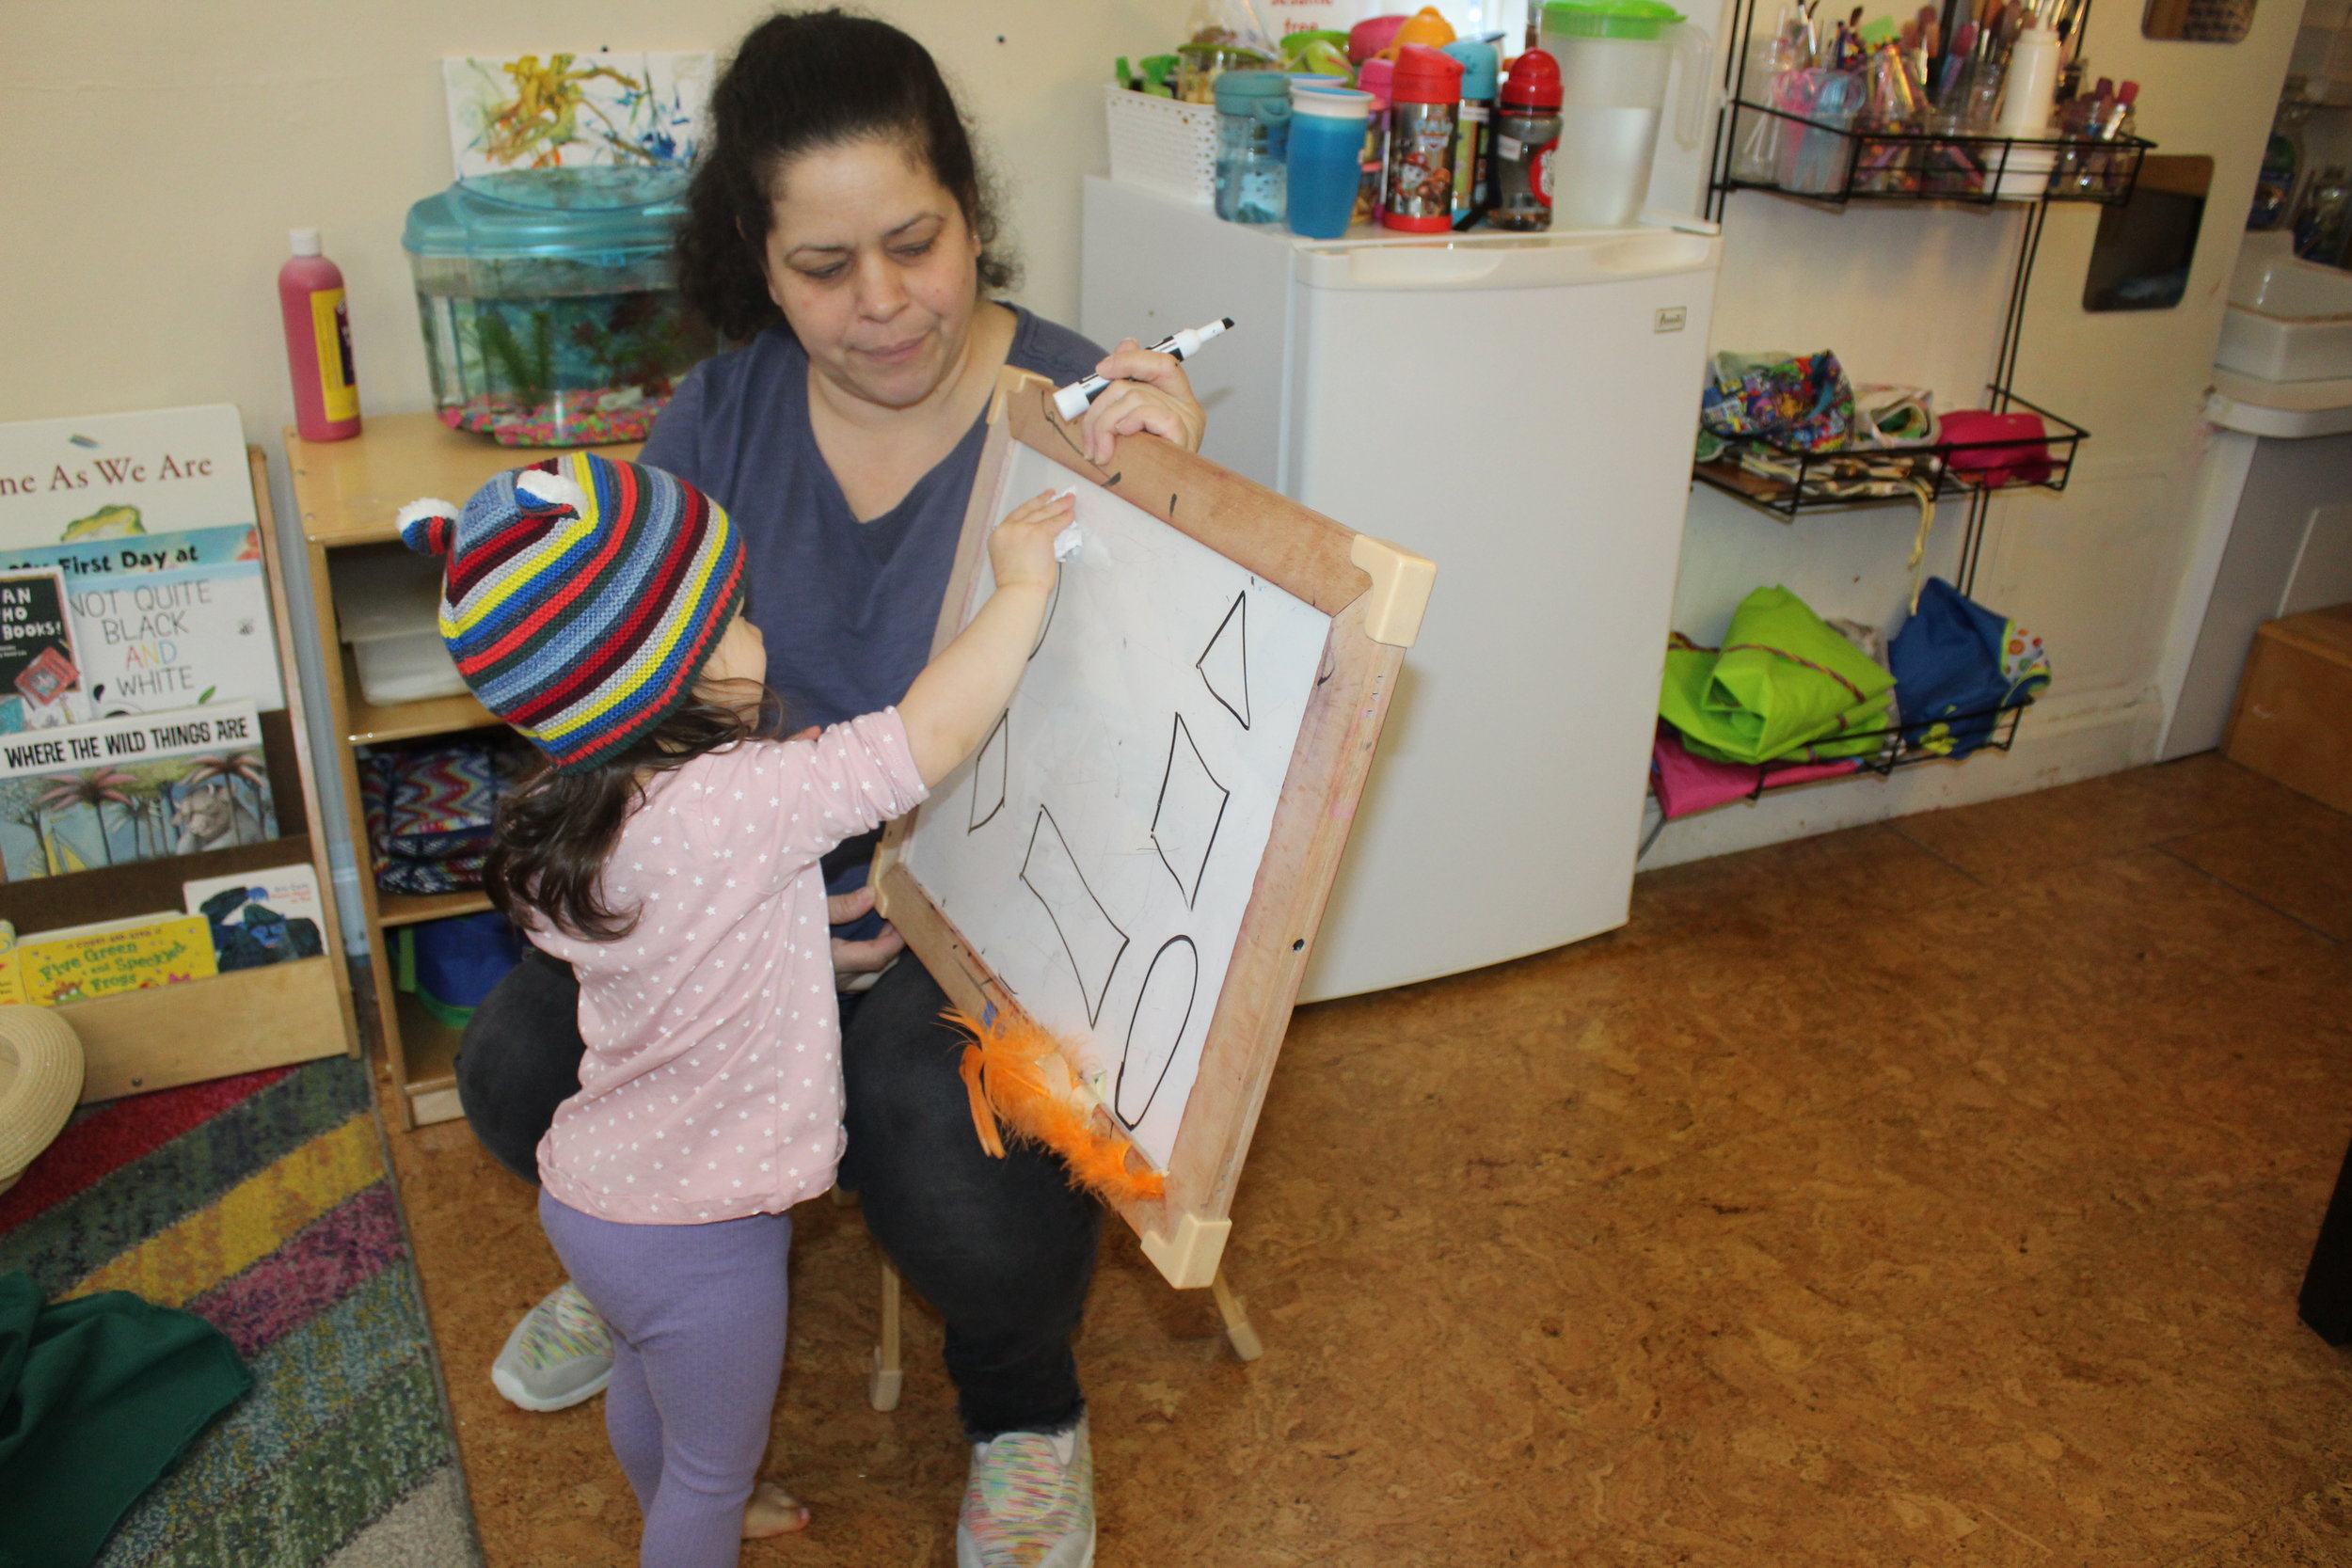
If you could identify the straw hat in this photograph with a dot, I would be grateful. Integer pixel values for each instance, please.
(41, 1079)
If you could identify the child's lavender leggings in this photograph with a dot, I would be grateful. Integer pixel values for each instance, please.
(698, 1318)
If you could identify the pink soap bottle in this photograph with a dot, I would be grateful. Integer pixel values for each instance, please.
(318, 342)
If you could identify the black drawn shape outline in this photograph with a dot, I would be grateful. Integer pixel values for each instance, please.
(1127, 1059)
(1053, 602)
(998, 745)
(1240, 653)
(1093, 994)
(1190, 800)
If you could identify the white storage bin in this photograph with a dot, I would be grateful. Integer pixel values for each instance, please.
(1161, 144)
(389, 615)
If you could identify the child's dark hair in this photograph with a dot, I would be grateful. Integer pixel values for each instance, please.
(555, 830)
(800, 80)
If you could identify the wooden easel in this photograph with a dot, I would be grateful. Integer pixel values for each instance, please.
(1372, 593)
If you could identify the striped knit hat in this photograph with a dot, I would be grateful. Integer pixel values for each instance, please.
(581, 597)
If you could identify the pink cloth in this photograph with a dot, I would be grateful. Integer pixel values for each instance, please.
(1685, 783)
(711, 1088)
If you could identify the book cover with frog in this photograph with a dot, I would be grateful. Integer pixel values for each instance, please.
(118, 476)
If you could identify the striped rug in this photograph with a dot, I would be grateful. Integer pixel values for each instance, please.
(262, 1203)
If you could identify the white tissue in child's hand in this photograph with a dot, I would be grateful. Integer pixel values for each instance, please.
(1067, 542)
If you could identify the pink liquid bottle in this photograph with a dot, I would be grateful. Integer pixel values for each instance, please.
(318, 342)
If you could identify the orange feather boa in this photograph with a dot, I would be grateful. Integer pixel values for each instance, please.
(1014, 1071)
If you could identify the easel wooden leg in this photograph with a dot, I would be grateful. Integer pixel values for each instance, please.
(1244, 1338)
(887, 1375)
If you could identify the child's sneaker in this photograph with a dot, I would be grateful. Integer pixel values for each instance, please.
(558, 1355)
(1029, 1502)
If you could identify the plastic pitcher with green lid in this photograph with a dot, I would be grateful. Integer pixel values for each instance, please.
(1616, 58)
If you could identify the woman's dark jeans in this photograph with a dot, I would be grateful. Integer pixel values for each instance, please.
(1003, 1248)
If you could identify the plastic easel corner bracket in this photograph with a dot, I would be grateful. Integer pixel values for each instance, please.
(1400, 589)
(1188, 1255)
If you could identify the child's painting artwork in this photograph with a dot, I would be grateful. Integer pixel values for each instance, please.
(575, 110)
(135, 788)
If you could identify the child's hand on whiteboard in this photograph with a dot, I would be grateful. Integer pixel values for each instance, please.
(954, 702)
(1021, 548)
(1146, 392)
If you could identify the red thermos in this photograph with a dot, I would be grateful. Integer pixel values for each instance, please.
(318, 342)
(1527, 133)
(1425, 102)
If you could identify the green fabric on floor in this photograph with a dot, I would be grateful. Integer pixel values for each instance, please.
(1784, 684)
(97, 1396)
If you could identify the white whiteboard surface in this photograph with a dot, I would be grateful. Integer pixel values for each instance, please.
(1099, 851)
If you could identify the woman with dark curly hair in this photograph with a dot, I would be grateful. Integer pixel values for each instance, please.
(839, 232)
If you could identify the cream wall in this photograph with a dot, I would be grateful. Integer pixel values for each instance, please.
(166, 146)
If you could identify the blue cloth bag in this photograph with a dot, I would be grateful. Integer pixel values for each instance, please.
(1957, 665)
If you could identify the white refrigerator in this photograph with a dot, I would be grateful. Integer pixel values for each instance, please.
(1519, 408)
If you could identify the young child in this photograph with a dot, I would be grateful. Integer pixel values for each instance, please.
(669, 852)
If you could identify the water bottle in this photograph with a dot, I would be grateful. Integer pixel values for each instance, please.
(1326, 148)
(1474, 140)
(1527, 133)
(1253, 110)
(1425, 111)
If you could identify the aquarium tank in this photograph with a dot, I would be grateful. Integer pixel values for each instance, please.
(551, 316)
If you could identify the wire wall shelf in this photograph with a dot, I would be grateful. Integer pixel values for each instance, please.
(1786, 481)
(1788, 154)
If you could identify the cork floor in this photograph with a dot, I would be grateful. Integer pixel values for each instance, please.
(1931, 1193)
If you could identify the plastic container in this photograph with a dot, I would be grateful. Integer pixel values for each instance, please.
(550, 316)
(1424, 108)
(1326, 148)
(318, 342)
(1426, 27)
(451, 964)
(1162, 144)
(1371, 37)
(1527, 137)
(1473, 136)
(2032, 92)
(1616, 58)
(1376, 78)
(1253, 111)
(389, 615)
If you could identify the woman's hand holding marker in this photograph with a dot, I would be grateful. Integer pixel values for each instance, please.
(1140, 389)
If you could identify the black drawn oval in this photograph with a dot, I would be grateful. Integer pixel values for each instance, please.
(1126, 1060)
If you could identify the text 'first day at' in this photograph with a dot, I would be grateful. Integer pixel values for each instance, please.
(109, 470)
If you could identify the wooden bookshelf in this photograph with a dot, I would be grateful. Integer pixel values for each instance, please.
(246, 1020)
(347, 493)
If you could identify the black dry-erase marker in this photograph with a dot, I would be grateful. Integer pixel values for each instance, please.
(1071, 401)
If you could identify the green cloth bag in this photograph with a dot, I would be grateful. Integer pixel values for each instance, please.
(97, 1396)
(1784, 684)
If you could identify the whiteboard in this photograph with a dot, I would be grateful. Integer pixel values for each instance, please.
(1098, 852)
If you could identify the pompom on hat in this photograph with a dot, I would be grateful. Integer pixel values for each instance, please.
(581, 597)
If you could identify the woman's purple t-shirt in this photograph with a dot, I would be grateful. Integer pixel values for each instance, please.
(847, 608)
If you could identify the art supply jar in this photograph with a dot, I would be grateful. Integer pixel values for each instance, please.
(1527, 134)
(1615, 58)
(1327, 149)
(1424, 108)
(1253, 110)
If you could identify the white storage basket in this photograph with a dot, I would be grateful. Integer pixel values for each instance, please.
(1162, 144)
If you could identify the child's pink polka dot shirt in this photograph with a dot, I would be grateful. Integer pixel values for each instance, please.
(711, 1088)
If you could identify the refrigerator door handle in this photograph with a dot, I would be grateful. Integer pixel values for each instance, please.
(1533, 264)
